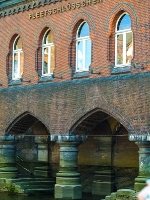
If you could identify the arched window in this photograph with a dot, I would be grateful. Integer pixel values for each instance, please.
(18, 59)
(48, 54)
(123, 41)
(83, 48)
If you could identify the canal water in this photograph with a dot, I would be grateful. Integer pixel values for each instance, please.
(20, 197)
(4, 196)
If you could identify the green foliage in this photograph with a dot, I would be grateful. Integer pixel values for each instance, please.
(12, 190)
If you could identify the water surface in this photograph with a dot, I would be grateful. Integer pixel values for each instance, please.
(4, 196)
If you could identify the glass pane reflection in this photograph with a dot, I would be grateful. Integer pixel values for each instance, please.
(18, 44)
(48, 37)
(80, 55)
(120, 49)
(129, 48)
(88, 54)
(45, 64)
(21, 63)
(124, 23)
(84, 30)
(52, 59)
(15, 73)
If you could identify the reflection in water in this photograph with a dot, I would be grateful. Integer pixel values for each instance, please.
(20, 197)
(4, 196)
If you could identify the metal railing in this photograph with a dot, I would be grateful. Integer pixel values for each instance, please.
(27, 170)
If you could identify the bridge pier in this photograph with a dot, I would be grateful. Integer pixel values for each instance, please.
(144, 165)
(7, 157)
(43, 153)
(68, 183)
(104, 180)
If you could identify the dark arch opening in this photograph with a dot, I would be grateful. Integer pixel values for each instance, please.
(107, 156)
(89, 123)
(23, 123)
(31, 160)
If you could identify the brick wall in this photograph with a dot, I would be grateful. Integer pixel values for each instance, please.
(101, 18)
(60, 106)
(63, 104)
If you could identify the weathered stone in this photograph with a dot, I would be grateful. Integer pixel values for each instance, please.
(68, 191)
(144, 167)
(103, 183)
(113, 196)
(7, 157)
(108, 198)
(42, 148)
(102, 188)
(68, 179)
(125, 192)
(43, 171)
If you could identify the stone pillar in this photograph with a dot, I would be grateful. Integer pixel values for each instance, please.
(43, 147)
(68, 183)
(7, 157)
(144, 165)
(103, 183)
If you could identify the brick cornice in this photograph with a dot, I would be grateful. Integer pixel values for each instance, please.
(23, 7)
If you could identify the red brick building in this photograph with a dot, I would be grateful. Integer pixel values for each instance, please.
(81, 68)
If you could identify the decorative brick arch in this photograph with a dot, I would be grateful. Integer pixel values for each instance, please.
(71, 35)
(122, 6)
(46, 24)
(16, 31)
(14, 119)
(98, 104)
(78, 17)
(38, 37)
(9, 48)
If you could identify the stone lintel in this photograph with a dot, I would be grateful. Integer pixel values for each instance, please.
(139, 137)
(68, 137)
(41, 139)
(68, 191)
(7, 138)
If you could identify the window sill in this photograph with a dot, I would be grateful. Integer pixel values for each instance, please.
(15, 82)
(121, 70)
(45, 79)
(78, 75)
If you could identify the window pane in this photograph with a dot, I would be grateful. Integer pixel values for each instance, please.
(120, 49)
(48, 37)
(129, 48)
(21, 63)
(52, 59)
(84, 30)
(18, 44)
(45, 60)
(16, 70)
(80, 55)
(88, 54)
(124, 23)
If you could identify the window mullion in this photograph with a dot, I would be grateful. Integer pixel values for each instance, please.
(13, 64)
(116, 49)
(49, 59)
(18, 64)
(76, 55)
(43, 60)
(84, 54)
(124, 48)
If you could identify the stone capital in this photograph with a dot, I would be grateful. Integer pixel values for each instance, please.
(67, 137)
(8, 138)
(144, 164)
(41, 139)
(141, 137)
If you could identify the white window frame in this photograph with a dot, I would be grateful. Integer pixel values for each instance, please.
(124, 33)
(18, 51)
(49, 46)
(82, 39)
